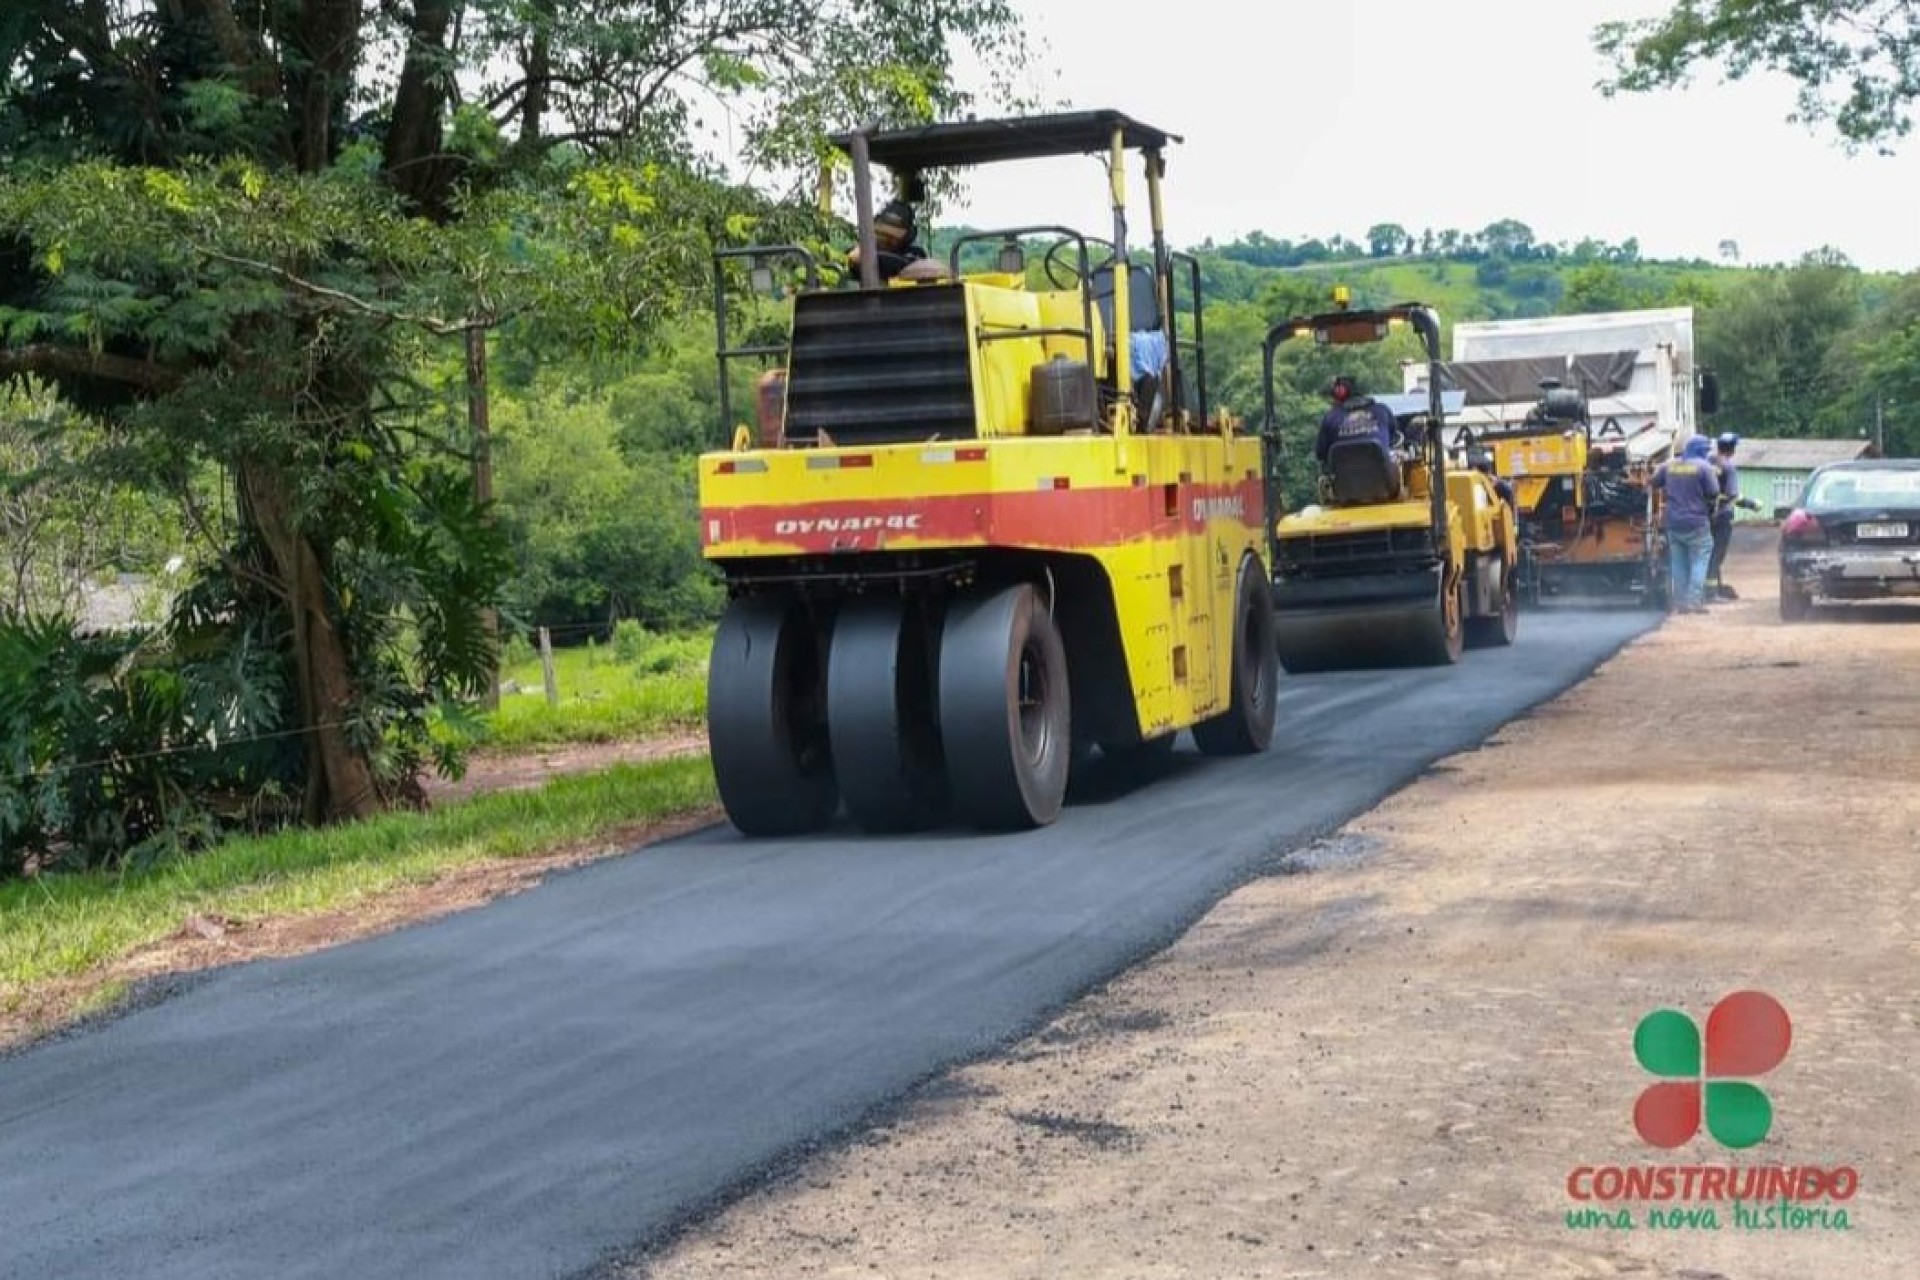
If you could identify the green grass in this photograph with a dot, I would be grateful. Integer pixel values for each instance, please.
(1448, 287)
(60, 925)
(602, 698)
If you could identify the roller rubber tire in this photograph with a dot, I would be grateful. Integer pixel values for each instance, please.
(1502, 628)
(1246, 726)
(766, 734)
(880, 717)
(1005, 710)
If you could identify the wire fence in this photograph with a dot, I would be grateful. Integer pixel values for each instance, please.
(122, 759)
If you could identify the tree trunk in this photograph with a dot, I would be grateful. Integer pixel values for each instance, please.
(413, 163)
(324, 36)
(477, 419)
(539, 69)
(340, 783)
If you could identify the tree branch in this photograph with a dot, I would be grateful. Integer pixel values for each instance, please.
(432, 324)
(667, 72)
(53, 358)
(505, 104)
(585, 136)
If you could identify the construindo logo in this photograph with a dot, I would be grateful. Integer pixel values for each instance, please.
(1710, 1077)
(1748, 1035)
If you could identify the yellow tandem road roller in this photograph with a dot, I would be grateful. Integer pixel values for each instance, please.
(1401, 562)
(992, 524)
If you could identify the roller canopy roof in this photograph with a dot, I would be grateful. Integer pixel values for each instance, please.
(976, 142)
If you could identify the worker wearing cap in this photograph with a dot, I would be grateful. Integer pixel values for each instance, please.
(1692, 489)
(1355, 415)
(895, 229)
(1729, 477)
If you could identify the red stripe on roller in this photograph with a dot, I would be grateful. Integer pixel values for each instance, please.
(1063, 519)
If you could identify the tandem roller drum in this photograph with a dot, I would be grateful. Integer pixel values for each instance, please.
(1386, 620)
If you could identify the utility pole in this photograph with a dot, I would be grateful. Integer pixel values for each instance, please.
(1880, 426)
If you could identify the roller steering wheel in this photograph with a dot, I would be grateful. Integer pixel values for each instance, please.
(1064, 275)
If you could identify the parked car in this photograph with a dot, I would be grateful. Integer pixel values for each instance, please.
(1853, 535)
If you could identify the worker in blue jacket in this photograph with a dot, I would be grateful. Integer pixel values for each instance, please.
(1354, 416)
(1692, 489)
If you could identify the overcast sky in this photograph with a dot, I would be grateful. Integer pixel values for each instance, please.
(1305, 119)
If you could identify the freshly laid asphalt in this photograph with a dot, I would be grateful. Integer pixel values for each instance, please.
(525, 1090)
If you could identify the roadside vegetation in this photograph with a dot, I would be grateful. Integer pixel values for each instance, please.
(59, 926)
(641, 685)
(299, 283)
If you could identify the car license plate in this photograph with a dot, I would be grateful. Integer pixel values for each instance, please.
(1895, 529)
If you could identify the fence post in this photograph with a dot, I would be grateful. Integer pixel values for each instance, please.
(546, 668)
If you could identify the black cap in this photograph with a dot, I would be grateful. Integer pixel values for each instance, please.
(897, 213)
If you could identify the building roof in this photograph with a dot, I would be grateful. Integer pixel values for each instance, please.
(1797, 455)
(971, 142)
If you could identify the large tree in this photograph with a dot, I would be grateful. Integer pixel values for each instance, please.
(1508, 238)
(1857, 62)
(237, 227)
(1385, 239)
(1775, 338)
(1884, 352)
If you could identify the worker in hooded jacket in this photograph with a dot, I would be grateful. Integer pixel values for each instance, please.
(1691, 487)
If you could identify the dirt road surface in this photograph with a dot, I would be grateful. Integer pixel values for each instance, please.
(519, 770)
(1387, 1061)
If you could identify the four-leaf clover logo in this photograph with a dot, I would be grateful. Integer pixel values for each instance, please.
(1747, 1035)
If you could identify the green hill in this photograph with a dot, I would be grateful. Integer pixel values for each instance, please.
(1492, 288)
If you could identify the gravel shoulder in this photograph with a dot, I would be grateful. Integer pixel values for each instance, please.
(1387, 1058)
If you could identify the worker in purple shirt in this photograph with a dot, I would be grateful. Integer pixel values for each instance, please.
(1355, 416)
(1729, 477)
(1692, 490)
